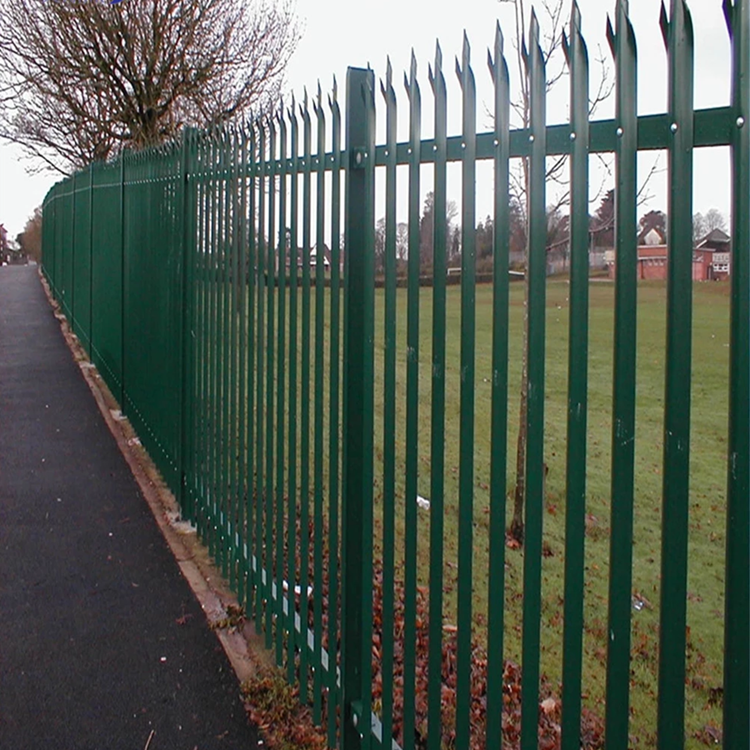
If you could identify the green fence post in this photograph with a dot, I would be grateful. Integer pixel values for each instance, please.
(358, 409)
(186, 318)
(737, 603)
(123, 407)
(91, 262)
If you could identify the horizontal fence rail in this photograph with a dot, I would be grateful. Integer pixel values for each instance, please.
(342, 438)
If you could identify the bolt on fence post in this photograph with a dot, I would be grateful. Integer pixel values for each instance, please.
(358, 409)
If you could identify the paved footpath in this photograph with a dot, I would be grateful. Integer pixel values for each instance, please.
(102, 643)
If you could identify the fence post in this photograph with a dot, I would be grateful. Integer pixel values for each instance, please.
(358, 409)
(72, 291)
(91, 264)
(737, 607)
(186, 319)
(123, 406)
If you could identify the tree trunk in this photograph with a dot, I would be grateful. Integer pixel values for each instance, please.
(517, 524)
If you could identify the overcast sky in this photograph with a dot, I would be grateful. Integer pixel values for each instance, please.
(338, 33)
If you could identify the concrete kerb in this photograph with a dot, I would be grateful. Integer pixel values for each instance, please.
(243, 647)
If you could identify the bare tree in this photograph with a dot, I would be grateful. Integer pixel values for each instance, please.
(715, 219)
(553, 16)
(83, 79)
(699, 227)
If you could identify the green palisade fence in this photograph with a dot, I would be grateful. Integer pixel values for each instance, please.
(225, 288)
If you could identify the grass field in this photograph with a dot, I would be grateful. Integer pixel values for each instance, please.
(707, 484)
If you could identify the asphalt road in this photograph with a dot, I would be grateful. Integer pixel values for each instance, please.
(102, 644)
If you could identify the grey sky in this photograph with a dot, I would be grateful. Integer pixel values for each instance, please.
(340, 33)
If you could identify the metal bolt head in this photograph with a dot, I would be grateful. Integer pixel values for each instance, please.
(740, 122)
(673, 127)
(531, 138)
(619, 132)
(573, 136)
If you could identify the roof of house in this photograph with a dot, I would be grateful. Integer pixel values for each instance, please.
(714, 237)
(652, 235)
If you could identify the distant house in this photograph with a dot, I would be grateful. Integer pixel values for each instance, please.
(713, 254)
(711, 257)
(313, 260)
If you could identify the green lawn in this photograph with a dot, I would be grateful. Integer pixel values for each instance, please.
(707, 483)
(707, 489)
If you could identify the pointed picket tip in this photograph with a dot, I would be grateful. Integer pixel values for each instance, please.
(466, 51)
(494, 63)
(524, 53)
(305, 106)
(499, 40)
(728, 8)
(664, 25)
(575, 17)
(611, 37)
(333, 97)
(318, 102)
(387, 86)
(413, 66)
(436, 74)
(533, 29)
(688, 17)
(565, 46)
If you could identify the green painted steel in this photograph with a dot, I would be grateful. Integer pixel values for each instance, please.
(737, 602)
(622, 42)
(389, 404)
(359, 324)
(534, 426)
(270, 386)
(281, 254)
(304, 514)
(334, 427)
(575, 509)
(319, 394)
(437, 437)
(499, 430)
(678, 38)
(412, 407)
(293, 385)
(467, 433)
(298, 413)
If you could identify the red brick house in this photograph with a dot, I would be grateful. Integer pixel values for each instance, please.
(711, 257)
(713, 253)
